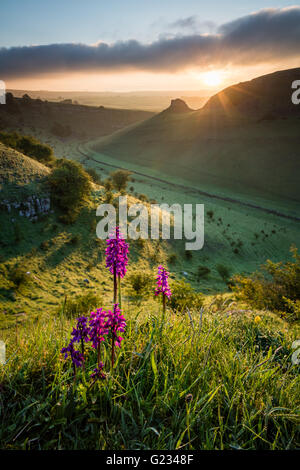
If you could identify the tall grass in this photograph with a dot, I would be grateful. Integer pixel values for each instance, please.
(215, 381)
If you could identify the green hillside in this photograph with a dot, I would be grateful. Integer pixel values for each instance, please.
(234, 148)
(19, 174)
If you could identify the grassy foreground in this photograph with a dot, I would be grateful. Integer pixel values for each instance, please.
(222, 379)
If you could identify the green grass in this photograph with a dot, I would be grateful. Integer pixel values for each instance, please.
(214, 152)
(244, 389)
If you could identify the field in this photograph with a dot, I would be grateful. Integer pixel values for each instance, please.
(211, 372)
(221, 379)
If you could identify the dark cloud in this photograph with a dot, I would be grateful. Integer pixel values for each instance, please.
(266, 36)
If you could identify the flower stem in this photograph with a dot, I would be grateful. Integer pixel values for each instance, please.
(112, 352)
(119, 287)
(115, 286)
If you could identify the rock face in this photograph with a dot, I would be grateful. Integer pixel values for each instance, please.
(178, 106)
(30, 208)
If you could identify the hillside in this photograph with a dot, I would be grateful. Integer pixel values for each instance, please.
(65, 119)
(20, 176)
(243, 141)
(18, 168)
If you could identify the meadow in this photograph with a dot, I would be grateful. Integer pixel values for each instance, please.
(205, 369)
(219, 378)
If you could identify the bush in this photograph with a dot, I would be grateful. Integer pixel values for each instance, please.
(70, 186)
(276, 287)
(184, 296)
(141, 284)
(172, 258)
(80, 304)
(223, 272)
(93, 175)
(29, 146)
(202, 271)
(18, 276)
(108, 186)
(143, 197)
(119, 179)
(188, 254)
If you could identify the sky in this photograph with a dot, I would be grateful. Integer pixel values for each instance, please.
(127, 45)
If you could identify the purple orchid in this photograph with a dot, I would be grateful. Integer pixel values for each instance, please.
(116, 322)
(98, 327)
(162, 285)
(117, 253)
(76, 356)
(98, 372)
(81, 332)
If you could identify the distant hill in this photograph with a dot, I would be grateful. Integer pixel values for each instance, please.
(246, 139)
(154, 101)
(65, 119)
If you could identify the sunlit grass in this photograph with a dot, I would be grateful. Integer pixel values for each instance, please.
(243, 394)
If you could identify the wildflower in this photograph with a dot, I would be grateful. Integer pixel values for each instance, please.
(162, 282)
(97, 327)
(116, 322)
(162, 287)
(117, 253)
(76, 357)
(117, 258)
(97, 372)
(257, 319)
(81, 332)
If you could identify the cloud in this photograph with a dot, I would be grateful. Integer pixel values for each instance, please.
(192, 23)
(267, 36)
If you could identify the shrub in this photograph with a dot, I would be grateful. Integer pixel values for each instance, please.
(70, 186)
(172, 258)
(18, 276)
(210, 214)
(143, 197)
(202, 271)
(29, 146)
(140, 284)
(93, 175)
(44, 245)
(184, 296)
(108, 184)
(223, 271)
(120, 179)
(80, 304)
(276, 287)
(74, 240)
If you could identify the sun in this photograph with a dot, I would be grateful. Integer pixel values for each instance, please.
(213, 78)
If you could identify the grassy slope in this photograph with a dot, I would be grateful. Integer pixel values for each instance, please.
(19, 176)
(234, 149)
(239, 400)
(239, 372)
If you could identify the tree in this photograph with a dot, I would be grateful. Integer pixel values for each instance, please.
(119, 179)
(69, 185)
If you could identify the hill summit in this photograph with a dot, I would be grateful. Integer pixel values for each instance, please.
(178, 106)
